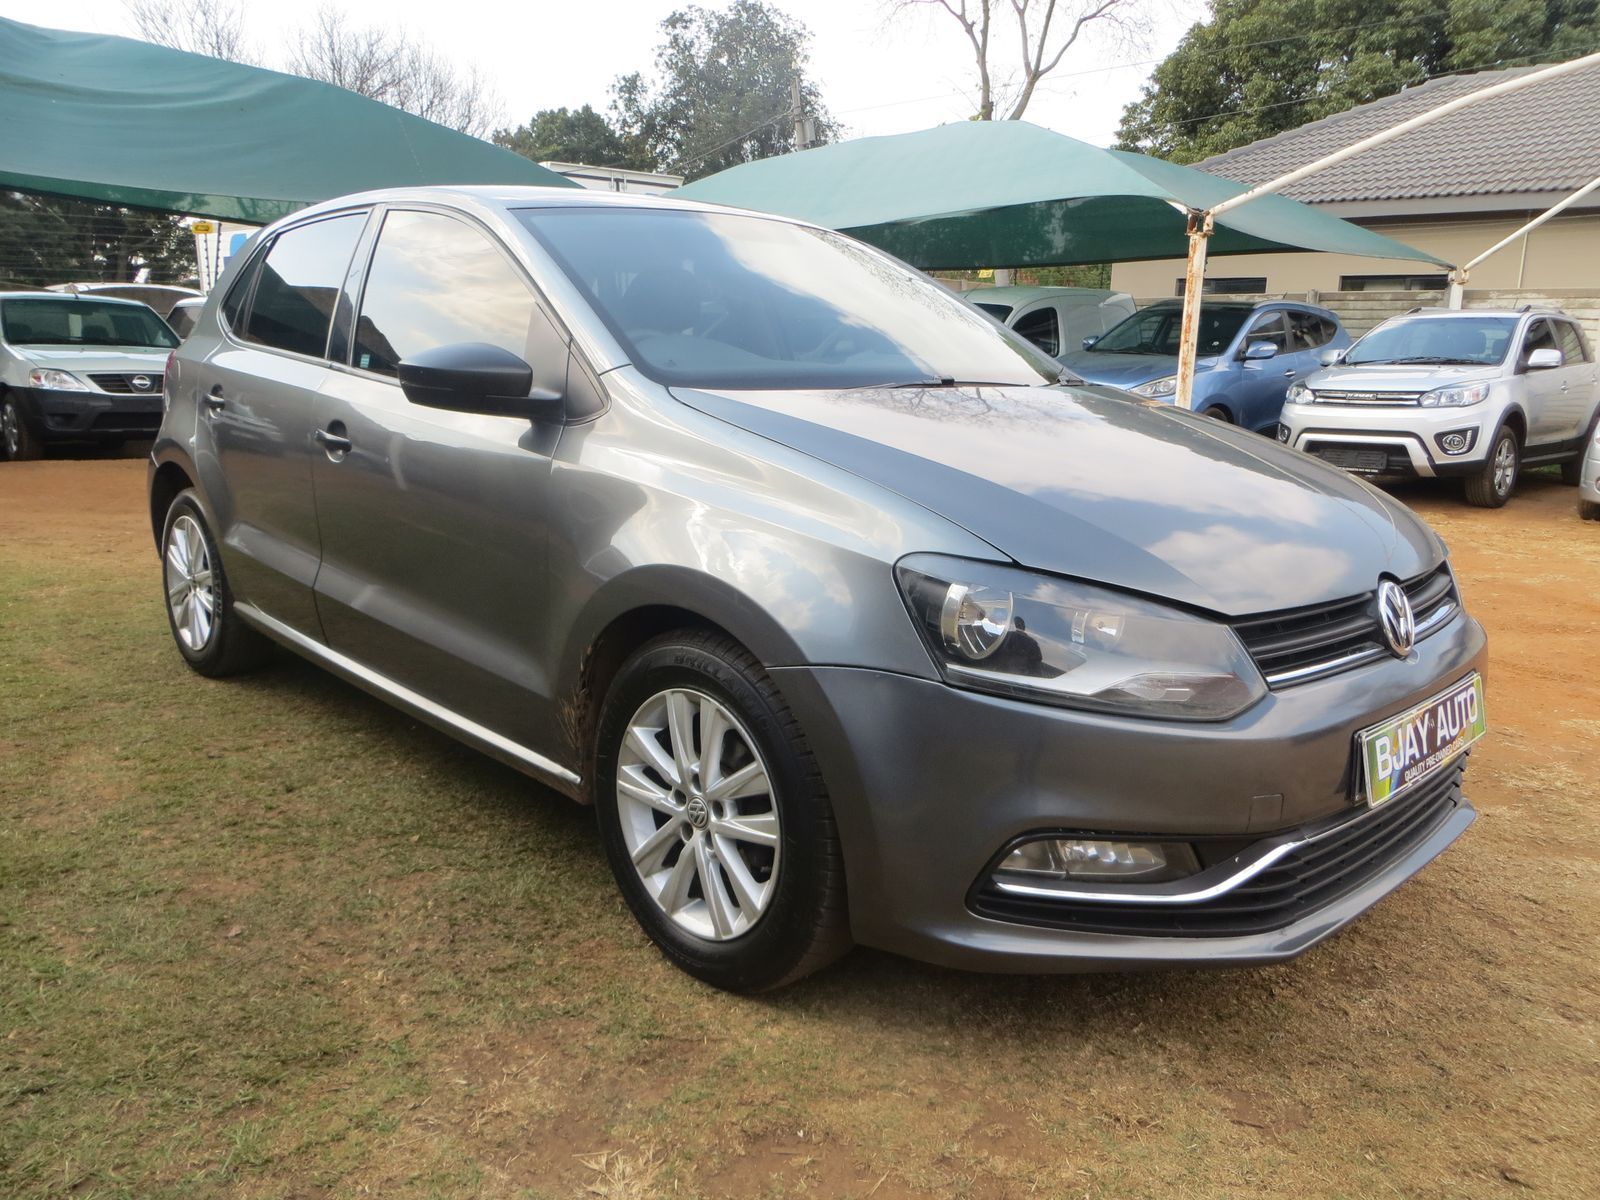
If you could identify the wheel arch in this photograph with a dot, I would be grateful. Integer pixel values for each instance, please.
(167, 479)
(1517, 420)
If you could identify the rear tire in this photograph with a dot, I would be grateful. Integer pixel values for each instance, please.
(208, 633)
(1492, 484)
(1589, 510)
(17, 441)
(774, 908)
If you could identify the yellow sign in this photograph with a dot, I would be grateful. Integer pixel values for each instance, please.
(202, 227)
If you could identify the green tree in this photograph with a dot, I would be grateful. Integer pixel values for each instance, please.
(721, 95)
(1259, 67)
(578, 135)
(47, 239)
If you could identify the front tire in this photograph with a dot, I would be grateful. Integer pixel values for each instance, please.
(208, 633)
(17, 442)
(1589, 510)
(1492, 484)
(714, 816)
(1217, 413)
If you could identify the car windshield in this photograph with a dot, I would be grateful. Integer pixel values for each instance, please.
(1155, 330)
(713, 300)
(64, 322)
(1439, 341)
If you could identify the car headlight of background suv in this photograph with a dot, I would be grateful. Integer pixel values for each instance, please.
(1299, 393)
(56, 381)
(1035, 637)
(1456, 396)
(1157, 388)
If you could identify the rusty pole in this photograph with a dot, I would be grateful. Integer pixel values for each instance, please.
(1200, 227)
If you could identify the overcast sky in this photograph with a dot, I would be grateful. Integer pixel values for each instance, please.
(877, 76)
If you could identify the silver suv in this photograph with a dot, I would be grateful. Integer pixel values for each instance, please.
(1475, 394)
(851, 622)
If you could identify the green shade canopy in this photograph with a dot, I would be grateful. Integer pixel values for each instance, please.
(126, 122)
(1010, 194)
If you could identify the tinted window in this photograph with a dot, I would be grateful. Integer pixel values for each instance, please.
(1042, 329)
(239, 293)
(1309, 331)
(1572, 350)
(66, 322)
(1270, 328)
(1155, 330)
(721, 300)
(998, 311)
(299, 285)
(435, 281)
(1436, 340)
(183, 318)
(1538, 337)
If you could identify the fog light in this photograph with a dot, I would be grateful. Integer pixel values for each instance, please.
(1283, 432)
(1458, 441)
(1095, 859)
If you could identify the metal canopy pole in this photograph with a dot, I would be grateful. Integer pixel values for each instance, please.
(1194, 279)
(1191, 296)
(1458, 277)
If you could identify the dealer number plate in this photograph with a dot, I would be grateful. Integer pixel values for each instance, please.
(1406, 749)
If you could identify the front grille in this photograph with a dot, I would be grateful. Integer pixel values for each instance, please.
(1309, 643)
(1367, 459)
(1370, 399)
(121, 384)
(1312, 876)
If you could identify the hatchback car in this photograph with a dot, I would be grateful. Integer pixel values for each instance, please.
(1249, 355)
(851, 622)
(1472, 394)
(78, 369)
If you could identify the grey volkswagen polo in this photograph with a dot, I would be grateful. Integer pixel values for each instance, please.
(853, 621)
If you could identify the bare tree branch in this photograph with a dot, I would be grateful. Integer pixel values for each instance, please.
(215, 29)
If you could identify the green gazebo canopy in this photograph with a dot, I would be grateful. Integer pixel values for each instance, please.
(127, 122)
(1011, 194)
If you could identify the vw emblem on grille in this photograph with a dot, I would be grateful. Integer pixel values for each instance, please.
(141, 383)
(1395, 618)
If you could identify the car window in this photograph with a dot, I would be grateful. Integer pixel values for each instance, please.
(437, 281)
(1539, 337)
(1308, 331)
(183, 319)
(67, 321)
(1572, 347)
(1155, 330)
(998, 311)
(1269, 327)
(718, 299)
(1042, 328)
(299, 285)
(239, 294)
(1468, 340)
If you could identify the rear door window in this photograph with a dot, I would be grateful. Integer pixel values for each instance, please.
(1311, 332)
(1042, 328)
(1571, 344)
(299, 284)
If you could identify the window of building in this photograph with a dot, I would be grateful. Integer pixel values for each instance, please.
(1227, 285)
(1393, 283)
(1042, 329)
(299, 285)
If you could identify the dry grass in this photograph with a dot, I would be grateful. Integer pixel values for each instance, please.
(269, 938)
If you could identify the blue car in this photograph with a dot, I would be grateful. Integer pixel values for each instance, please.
(1249, 355)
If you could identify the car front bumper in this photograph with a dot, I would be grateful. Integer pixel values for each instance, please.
(55, 415)
(929, 783)
(1410, 433)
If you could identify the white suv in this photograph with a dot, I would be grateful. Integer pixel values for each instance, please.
(1477, 394)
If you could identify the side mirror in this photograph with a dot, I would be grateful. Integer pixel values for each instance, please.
(1332, 355)
(1543, 360)
(475, 377)
(1256, 351)
(1088, 342)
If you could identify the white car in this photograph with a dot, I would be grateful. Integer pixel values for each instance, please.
(1476, 394)
(1589, 480)
(78, 369)
(1055, 319)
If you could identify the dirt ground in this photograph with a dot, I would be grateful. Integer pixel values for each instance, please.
(270, 938)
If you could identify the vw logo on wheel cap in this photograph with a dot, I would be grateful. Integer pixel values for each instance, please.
(1395, 618)
(141, 383)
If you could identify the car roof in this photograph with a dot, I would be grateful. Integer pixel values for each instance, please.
(79, 296)
(1447, 313)
(1023, 295)
(1251, 305)
(525, 197)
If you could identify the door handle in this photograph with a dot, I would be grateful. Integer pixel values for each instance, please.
(332, 440)
(1289, 374)
(216, 401)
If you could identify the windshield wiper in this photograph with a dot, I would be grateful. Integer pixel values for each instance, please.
(1419, 360)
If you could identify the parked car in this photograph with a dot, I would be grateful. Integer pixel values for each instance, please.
(1589, 479)
(1249, 355)
(78, 369)
(184, 314)
(1474, 394)
(851, 622)
(159, 296)
(1054, 318)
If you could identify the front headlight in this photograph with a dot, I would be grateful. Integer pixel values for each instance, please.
(56, 381)
(1157, 388)
(1457, 396)
(1299, 393)
(1035, 637)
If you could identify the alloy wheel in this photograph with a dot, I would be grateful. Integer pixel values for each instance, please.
(11, 429)
(698, 815)
(191, 593)
(1505, 466)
